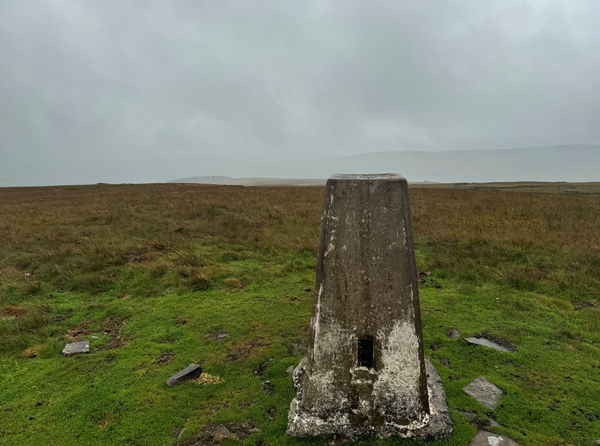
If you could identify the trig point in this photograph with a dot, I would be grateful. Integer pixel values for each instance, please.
(365, 373)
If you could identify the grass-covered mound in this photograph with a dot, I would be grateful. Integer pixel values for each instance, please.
(159, 276)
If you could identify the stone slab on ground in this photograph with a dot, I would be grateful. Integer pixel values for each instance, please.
(489, 343)
(484, 438)
(484, 392)
(191, 371)
(74, 348)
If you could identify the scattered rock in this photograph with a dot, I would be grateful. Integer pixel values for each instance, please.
(581, 305)
(490, 343)
(268, 388)
(445, 363)
(493, 423)
(272, 413)
(471, 416)
(191, 371)
(484, 438)
(484, 392)
(216, 336)
(307, 290)
(422, 275)
(220, 433)
(453, 333)
(434, 347)
(289, 370)
(260, 369)
(75, 348)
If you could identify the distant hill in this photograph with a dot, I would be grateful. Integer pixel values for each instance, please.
(251, 181)
(15, 182)
(557, 163)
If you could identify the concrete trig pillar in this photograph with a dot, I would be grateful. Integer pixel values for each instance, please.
(365, 372)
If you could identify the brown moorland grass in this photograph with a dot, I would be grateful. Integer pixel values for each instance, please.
(76, 236)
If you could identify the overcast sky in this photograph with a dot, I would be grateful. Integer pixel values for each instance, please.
(100, 89)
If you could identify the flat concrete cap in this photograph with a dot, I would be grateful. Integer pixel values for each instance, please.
(367, 177)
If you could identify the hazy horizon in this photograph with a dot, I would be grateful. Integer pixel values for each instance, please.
(114, 92)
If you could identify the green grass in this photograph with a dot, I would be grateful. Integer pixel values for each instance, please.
(148, 317)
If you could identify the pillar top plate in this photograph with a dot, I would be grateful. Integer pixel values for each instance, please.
(368, 177)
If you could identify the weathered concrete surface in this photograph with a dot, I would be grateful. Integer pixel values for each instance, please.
(365, 371)
(484, 438)
(484, 392)
(191, 371)
(74, 348)
(489, 343)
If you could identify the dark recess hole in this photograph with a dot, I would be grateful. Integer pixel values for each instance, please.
(365, 353)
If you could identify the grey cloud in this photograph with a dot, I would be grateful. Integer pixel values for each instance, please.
(142, 91)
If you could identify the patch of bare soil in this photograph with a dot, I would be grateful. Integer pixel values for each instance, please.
(247, 348)
(113, 327)
(77, 333)
(214, 435)
(165, 358)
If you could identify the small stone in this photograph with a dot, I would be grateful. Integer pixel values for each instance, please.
(268, 388)
(471, 416)
(445, 363)
(254, 430)
(75, 348)
(484, 392)
(484, 438)
(217, 336)
(453, 333)
(220, 433)
(488, 343)
(289, 370)
(191, 371)
(493, 423)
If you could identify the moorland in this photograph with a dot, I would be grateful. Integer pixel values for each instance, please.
(158, 276)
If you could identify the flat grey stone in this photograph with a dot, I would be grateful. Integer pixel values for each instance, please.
(484, 392)
(74, 348)
(191, 371)
(489, 343)
(484, 438)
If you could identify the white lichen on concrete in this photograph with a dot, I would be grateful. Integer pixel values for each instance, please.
(398, 379)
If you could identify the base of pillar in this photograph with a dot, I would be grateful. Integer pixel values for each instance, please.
(303, 423)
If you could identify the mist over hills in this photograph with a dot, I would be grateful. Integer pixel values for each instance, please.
(575, 163)
(556, 163)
